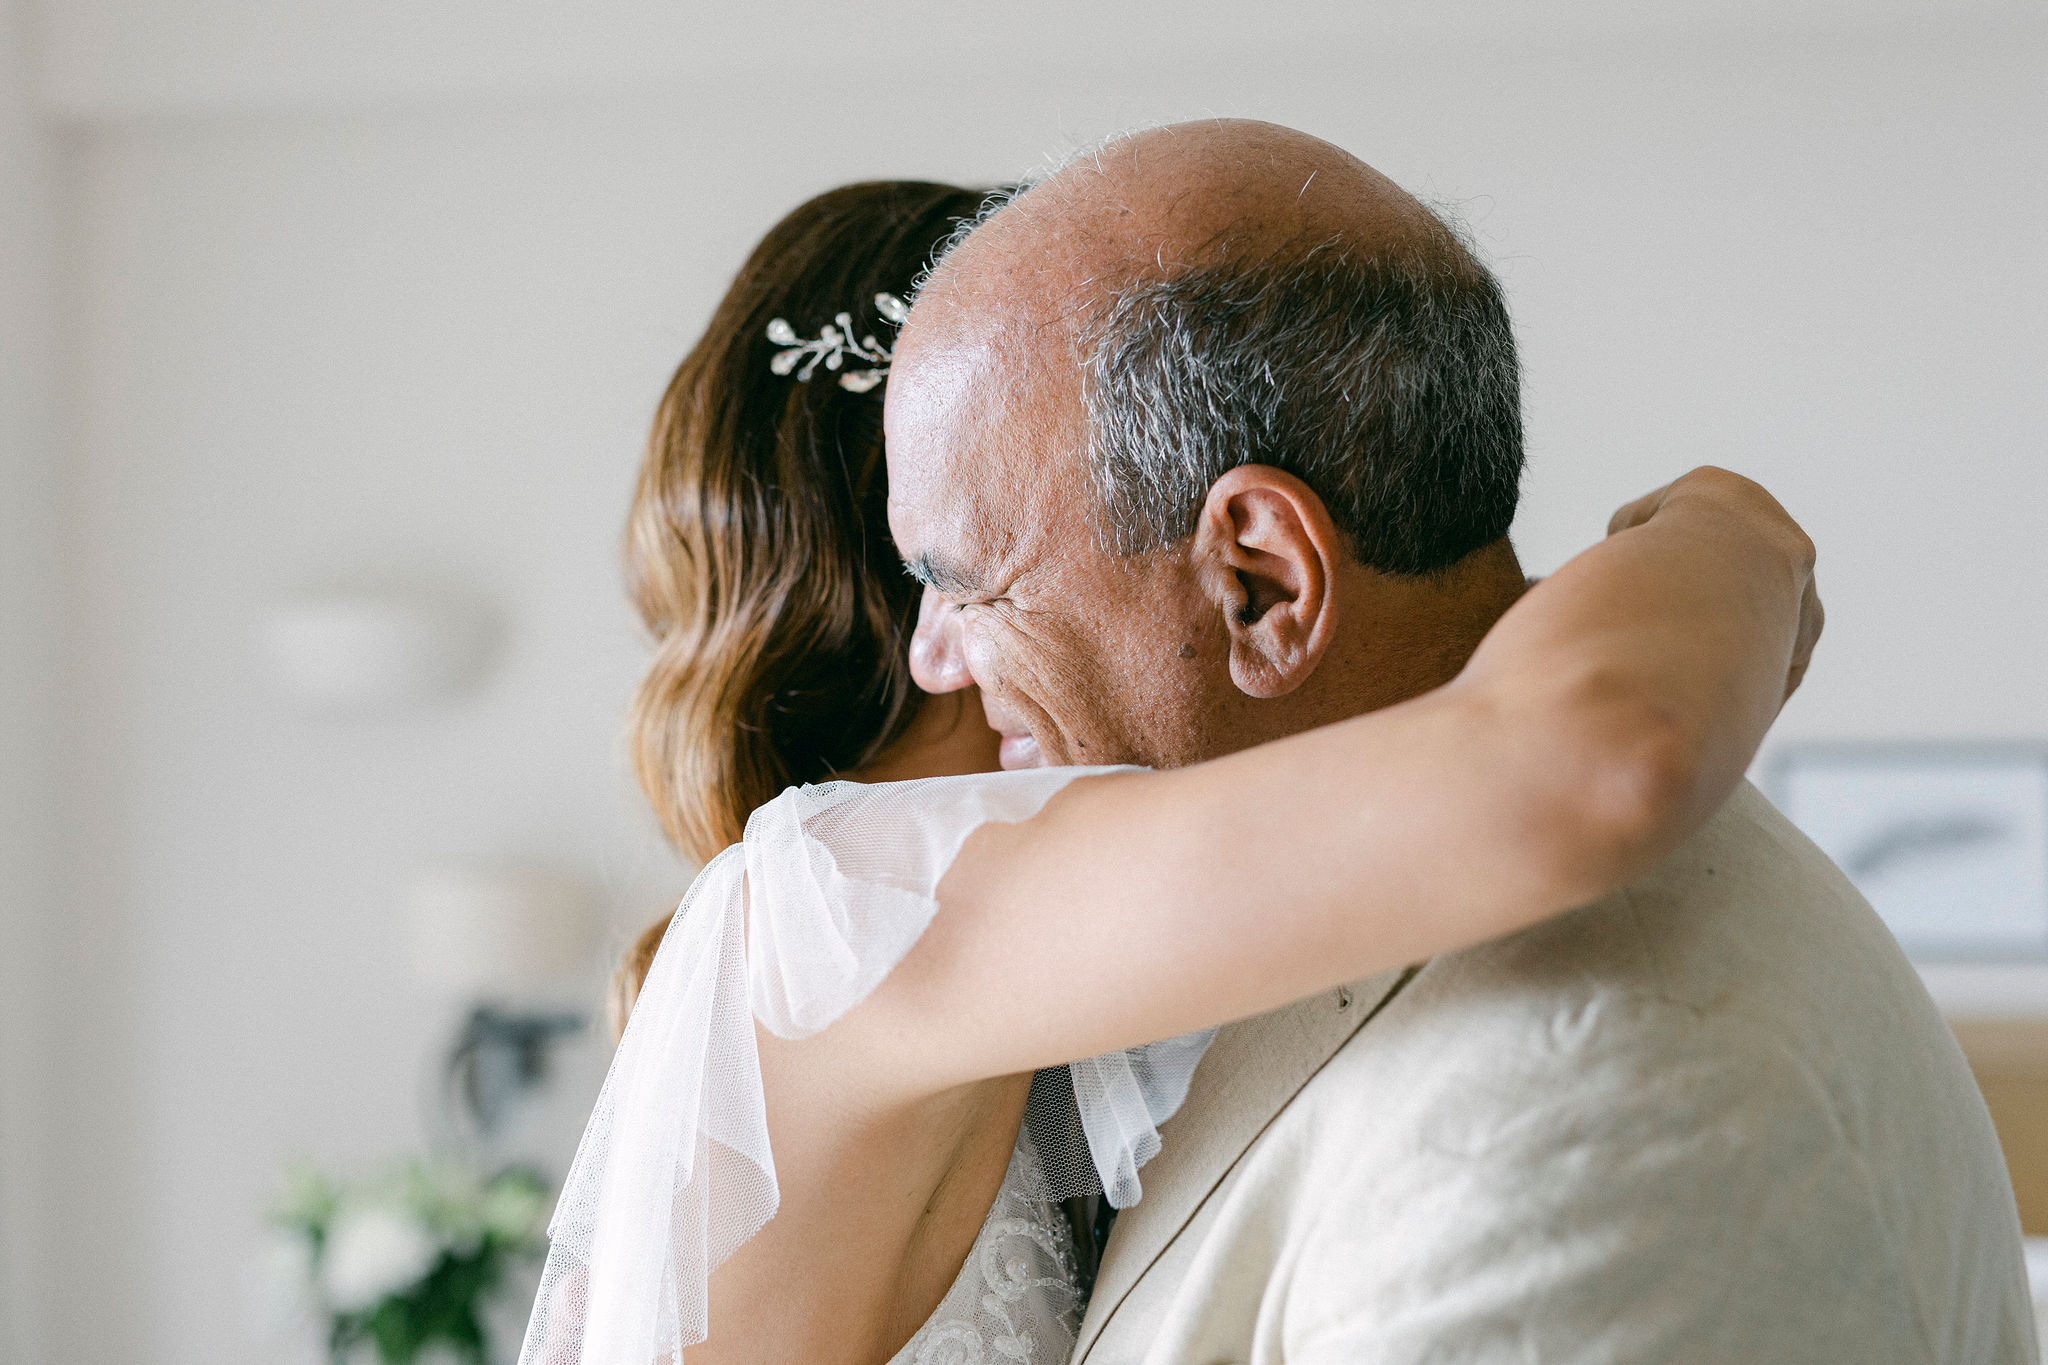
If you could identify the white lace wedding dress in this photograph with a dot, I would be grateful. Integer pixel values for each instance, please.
(791, 928)
(1018, 1299)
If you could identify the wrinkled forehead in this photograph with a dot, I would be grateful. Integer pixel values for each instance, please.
(984, 435)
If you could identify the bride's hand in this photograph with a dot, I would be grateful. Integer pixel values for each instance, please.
(1757, 513)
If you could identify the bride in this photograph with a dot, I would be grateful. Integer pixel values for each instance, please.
(846, 1107)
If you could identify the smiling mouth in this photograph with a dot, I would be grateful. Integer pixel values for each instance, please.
(1020, 751)
(1019, 748)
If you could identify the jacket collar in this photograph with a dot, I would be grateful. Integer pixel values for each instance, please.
(1251, 1072)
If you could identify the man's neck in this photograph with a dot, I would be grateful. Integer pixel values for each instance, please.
(1398, 637)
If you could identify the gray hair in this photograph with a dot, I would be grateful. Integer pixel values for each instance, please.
(994, 202)
(1383, 378)
(1003, 196)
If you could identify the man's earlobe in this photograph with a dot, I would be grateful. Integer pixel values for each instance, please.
(1268, 552)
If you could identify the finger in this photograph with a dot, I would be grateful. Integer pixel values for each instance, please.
(1812, 621)
(1637, 512)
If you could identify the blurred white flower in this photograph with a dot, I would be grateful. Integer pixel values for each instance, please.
(374, 1252)
(513, 1209)
(449, 1199)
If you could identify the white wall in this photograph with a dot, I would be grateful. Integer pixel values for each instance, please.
(346, 297)
(30, 712)
(127, 58)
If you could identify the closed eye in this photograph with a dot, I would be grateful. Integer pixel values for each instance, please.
(943, 577)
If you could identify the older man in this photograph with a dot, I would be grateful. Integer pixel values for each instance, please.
(1214, 437)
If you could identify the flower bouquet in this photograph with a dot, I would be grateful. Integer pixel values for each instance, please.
(406, 1265)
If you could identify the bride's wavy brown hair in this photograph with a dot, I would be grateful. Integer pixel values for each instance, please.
(758, 549)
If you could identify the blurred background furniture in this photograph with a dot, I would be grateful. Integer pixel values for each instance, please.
(2010, 1059)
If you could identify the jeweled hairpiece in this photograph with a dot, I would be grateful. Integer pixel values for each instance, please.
(836, 347)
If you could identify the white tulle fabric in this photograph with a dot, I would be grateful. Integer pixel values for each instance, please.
(794, 926)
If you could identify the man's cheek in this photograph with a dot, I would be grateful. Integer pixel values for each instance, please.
(983, 654)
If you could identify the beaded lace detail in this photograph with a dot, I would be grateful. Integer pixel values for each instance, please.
(1018, 1298)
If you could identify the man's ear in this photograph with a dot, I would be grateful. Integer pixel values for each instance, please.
(1268, 556)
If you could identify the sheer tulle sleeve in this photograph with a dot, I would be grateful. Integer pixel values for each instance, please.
(795, 926)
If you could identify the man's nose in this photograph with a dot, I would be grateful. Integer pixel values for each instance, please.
(937, 661)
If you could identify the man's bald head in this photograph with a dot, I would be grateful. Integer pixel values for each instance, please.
(1171, 198)
(1154, 421)
(1237, 269)
(1143, 206)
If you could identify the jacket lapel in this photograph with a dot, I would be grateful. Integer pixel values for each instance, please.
(1248, 1076)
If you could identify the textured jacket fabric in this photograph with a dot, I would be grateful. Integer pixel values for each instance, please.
(1714, 1118)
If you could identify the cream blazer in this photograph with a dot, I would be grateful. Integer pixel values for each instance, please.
(1711, 1118)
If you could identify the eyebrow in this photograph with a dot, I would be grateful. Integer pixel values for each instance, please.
(941, 574)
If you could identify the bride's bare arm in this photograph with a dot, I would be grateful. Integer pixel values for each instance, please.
(1599, 723)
